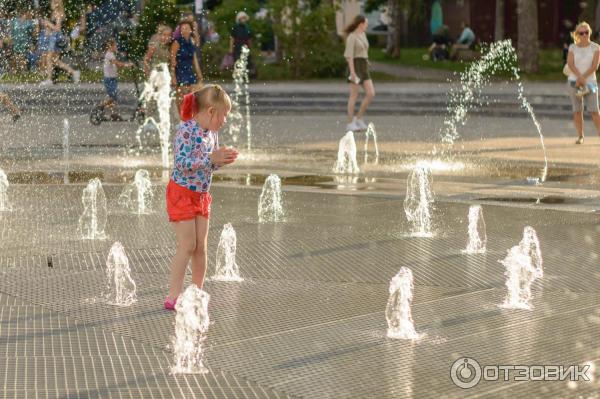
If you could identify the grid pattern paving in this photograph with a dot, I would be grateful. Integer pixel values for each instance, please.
(308, 320)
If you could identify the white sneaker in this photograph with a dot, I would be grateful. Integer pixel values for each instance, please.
(361, 124)
(76, 76)
(47, 82)
(352, 126)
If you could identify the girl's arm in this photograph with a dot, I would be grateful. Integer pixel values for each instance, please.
(197, 67)
(147, 58)
(174, 50)
(571, 63)
(593, 67)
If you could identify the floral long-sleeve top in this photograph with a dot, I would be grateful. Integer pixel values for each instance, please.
(191, 152)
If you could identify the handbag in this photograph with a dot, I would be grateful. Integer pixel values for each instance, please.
(227, 62)
(567, 71)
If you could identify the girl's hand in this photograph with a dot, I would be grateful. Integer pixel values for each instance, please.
(223, 156)
(353, 77)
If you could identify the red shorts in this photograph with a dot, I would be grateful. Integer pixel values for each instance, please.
(185, 204)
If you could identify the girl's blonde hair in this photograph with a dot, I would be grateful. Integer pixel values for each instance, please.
(583, 24)
(213, 96)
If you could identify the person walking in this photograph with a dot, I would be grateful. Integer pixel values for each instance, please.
(357, 56)
(582, 63)
(52, 58)
(185, 66)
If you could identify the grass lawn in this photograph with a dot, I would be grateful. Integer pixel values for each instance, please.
(551, 63)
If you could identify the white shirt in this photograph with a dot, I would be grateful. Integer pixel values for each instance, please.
(110, 69)
(583, 59)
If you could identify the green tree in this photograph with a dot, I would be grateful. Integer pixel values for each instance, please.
(307, 37)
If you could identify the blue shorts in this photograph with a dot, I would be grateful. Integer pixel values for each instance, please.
(111, 86)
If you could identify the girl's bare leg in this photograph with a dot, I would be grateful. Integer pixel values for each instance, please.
(199, 262)
(369, 95)
(6, 101)
(186, 245)
(352, 100)
(578, 122)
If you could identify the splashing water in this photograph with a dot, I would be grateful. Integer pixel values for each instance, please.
(477, 233)
(191, 327)
(241, 91)
(138, 195)
(370, 132)
(4, 204)
(227, 268)
(499, 57)
(398, 311)
(523, 266)
(158, 88)
(120, 288)
(346, 159)
(65, 145)
(270, 205)
(419, 201)
(93, 220)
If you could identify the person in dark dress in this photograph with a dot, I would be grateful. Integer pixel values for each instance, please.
(186, 75)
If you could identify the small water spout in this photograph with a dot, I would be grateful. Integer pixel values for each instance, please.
(158, 88)
(346, 159)
(499, 57)
(236, 119)
(93, 220)
(4, 203)
(270, 205)
(398, 311)
(120, 288)
(371, 132)
(419, 201)
(65, 145)
(477, 232)
(138, 196)
(191, 326)
(523, 266)
(226, 266)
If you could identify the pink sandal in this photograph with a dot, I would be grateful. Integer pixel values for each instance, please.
(170, 303)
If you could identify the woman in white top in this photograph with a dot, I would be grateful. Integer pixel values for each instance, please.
(357, 56)
(583, 59)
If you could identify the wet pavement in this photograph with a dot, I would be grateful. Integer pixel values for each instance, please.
(308, 321)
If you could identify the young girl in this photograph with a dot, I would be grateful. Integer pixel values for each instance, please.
(197, 154)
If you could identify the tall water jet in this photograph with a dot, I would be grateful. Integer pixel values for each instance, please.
(346, 159)
(270, 205)
(158, 88)
(419, 200)
(398, 311)
(241, 92)
(191, 327)
(65, 145)
(93, 220)
(477, 233)
(499, 57)
(523, 266)
(4, 203)
(370, 132)
(226, 267)
(138, 196)
(120, 289)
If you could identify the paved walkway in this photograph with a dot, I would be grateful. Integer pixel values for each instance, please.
(309, 320)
